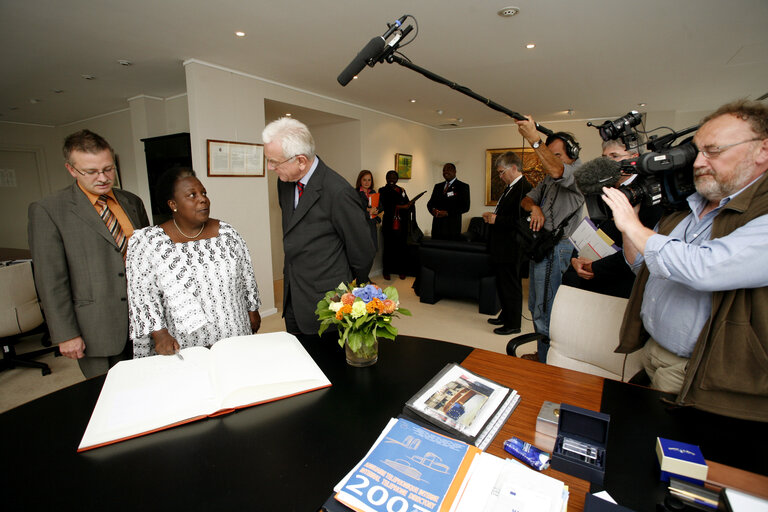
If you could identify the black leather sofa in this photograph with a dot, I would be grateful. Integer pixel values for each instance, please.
(459, 269)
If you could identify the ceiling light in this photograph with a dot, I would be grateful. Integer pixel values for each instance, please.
(240, 33)
(439, 111)
(124, 62)
(412, 100)
(641, 104)
(530, 46)
(354, 77)
(508, 12)
(13, 108)
(58, 91)
(288, 114)
(88, 77)
(34, 100)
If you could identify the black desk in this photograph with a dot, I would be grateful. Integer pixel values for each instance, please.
(639, 416)
(282, 456)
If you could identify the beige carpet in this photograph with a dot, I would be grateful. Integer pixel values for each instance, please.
(449, 320)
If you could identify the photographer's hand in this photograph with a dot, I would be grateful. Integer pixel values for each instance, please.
(625, 217)
(583, 267)
(537, 218)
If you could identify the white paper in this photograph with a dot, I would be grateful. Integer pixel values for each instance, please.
(592, 243)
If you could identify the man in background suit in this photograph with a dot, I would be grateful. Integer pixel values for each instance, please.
(326, 238)
(505, 253)
(449, 200)
(79, 262)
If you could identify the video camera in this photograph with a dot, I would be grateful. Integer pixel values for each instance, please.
(665, 172)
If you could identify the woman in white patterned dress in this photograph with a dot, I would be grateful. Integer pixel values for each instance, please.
(190, 279)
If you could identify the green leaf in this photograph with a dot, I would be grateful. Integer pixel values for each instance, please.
(391, 293)
(404, 311)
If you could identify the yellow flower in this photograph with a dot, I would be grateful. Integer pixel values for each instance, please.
(358, 309)
(335, 306)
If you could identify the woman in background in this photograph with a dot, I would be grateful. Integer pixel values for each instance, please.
(364, 186)
(393, 201)
(190, 279)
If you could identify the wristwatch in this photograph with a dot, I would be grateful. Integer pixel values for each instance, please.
(536, 144)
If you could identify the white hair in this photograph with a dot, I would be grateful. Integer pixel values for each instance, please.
(293, 135)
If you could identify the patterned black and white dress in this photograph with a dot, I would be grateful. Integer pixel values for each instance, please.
(201, 290)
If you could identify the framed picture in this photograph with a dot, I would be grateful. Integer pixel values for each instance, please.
(235, 159)
(494, 187)
(403, 165)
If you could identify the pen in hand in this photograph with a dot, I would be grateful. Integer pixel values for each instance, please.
(178, 354)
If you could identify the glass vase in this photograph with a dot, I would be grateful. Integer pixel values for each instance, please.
(365, 356)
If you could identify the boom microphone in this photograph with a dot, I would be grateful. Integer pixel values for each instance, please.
(370, 53)
(596, 174)
(372, 50)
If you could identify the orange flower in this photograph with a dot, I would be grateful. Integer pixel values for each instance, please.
(348, 299)
(375, 306)
(389, 307)
(346, 308)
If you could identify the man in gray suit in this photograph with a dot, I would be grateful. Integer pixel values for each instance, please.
(326, 238)
(77, 237)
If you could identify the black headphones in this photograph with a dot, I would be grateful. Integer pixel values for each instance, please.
(572, 147)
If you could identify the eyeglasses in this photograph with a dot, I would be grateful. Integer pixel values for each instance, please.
(271, 164)
(712, 152)
(105, 171)
(502, 171)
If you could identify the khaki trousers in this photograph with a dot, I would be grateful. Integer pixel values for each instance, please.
(666, 370)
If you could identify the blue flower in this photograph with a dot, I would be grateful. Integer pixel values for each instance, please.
(369, 292)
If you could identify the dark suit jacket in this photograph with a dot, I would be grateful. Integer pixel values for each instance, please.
(503, 240)
(79, 271)
(455, 201)
(326, 240)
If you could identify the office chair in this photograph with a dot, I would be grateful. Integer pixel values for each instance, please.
(584, 331)
(20, 316)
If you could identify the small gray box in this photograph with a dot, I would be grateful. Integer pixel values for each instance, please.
(546, 422)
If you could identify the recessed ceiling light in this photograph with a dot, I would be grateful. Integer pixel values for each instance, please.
(508, 12)
(240, 33)
(641, 104)
(439, 111)
(530, 45)
(288, 114)
(34, 100)
(88, 77)
(354, 77)
(124, 62)
(58, 91)
(412, 100)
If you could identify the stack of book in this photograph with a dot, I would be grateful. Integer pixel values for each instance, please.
(431, 458)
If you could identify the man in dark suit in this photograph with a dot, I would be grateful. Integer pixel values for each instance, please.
(449, 200)
(78, 238)
(326, 238)
(505, 254)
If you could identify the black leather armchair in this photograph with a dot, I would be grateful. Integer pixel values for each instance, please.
(459, 269)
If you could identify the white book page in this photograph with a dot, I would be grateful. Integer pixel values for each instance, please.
(494, 484)
(137, 396)
(592, 243)
(260, 367)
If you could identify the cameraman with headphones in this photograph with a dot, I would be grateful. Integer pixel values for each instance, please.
(554, 202)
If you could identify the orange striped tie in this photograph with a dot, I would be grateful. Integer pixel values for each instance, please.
(112, 225)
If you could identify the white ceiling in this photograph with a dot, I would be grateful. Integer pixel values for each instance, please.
(598, 57)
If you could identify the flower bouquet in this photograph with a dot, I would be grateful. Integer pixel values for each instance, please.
(362, 314)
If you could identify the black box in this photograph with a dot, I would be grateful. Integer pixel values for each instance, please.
(584, 434)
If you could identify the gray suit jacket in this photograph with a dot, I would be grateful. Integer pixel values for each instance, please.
(79, 271)
(326, 241)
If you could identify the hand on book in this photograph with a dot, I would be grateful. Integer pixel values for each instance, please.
(165, 344)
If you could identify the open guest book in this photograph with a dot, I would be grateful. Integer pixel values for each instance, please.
(145, 395)
(463, 405)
